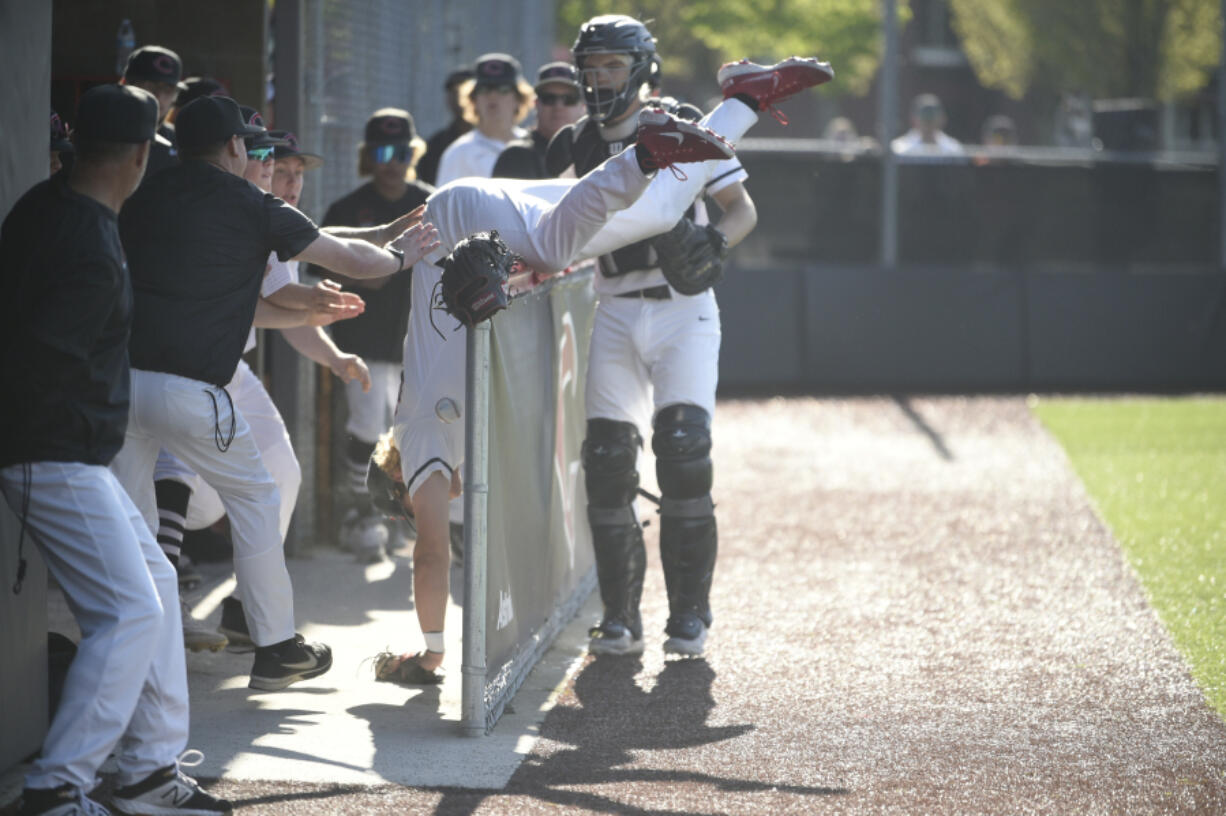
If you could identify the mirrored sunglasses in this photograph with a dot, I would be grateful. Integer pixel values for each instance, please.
(260, 154)
(382, 154)
(558, 99)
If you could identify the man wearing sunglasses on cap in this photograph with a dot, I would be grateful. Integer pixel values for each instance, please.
(388, 155)
(558, 104)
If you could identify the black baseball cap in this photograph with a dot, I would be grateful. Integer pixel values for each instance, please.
(494, 70)
(390, 126)
(59, 134)
(153, 63)
(209, 120)
(288, 148)
(196, 87)
(116, 113)
(458, 76)
(254, 118)
(561, 72)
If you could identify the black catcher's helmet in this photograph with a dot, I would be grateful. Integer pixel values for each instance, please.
(619, 34)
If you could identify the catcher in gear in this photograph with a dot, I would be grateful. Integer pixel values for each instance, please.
(654, 354)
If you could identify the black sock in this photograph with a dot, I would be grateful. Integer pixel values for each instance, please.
(172, 497)
(748, 100)
(646, 163)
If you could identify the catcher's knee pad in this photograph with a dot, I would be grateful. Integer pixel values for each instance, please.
(610, 463)
(681, 440)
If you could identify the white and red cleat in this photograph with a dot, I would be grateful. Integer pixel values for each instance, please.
(769, 84)
(674, 141)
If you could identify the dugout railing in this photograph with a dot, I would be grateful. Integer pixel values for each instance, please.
(528, 563)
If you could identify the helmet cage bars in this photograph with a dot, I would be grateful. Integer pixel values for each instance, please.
(615, 34)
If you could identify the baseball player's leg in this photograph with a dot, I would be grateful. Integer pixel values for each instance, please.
(172, 485)
(432, 563)
(616, 384)
(667, 197)
(685, 350)
(198, 423)
(157, 733)
(370, 412)
(93, 550)
(271, 437)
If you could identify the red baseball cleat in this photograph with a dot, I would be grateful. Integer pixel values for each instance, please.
(673, 141)
(769, 84)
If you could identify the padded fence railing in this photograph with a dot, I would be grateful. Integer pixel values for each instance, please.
(528, 562)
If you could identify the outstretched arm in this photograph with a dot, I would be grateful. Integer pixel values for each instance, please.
(359, 259)
(314, 344)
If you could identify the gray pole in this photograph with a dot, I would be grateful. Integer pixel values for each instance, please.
(476, 495)
(887, 128)
(1221, 146)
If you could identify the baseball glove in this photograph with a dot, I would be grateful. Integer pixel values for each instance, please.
(475, 277)
(404, 670)
(691, 256)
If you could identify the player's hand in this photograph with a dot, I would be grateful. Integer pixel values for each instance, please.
(350, 367)
(416, 242)
(327, 295)
(333, 305)
(389, 231)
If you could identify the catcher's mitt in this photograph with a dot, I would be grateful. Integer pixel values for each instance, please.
(475, 278)
(404, 670)
(691, 256)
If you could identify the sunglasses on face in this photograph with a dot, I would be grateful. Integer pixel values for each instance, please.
(558, 99)
(260, 154)
(382, 154)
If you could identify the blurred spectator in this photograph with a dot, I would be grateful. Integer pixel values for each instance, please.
(927, 136)
(840, 129)
(558, 103)
(60, 145)
(158, 70)
(1074, 122)
(388, 155)
(427, 168)
(999, 131)
(495, 101)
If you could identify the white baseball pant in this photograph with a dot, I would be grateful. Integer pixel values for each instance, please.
(127, 685)
(193, 420)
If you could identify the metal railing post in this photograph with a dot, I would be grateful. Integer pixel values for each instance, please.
(476, 502)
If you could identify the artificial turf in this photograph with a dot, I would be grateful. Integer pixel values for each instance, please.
(1156, 469)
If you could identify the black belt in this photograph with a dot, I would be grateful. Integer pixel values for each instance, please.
(661, 292)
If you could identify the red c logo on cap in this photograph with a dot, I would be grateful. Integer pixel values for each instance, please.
(164, 64)
(256, 120)
(292, 139)
(390, 125)
(493, 68)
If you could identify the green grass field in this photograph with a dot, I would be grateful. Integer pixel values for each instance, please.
(1156, 469)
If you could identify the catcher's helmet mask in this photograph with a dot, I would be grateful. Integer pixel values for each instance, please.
(473, 286)
(615, 34)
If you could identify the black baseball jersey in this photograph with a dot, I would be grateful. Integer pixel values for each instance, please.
(523, 159)
(64, 327)
(198, 240)
(377, 333)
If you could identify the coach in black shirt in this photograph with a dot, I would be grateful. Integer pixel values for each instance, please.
(198, 237)
(63, 337)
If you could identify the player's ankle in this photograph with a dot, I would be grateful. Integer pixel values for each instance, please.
(748, 100)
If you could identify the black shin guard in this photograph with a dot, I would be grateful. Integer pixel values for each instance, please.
(610, 454)
(688, 536)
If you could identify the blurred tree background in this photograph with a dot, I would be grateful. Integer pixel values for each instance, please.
(695, 38)
(1150, 49)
